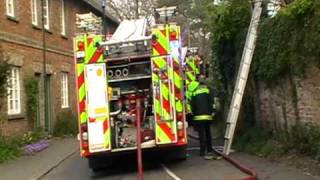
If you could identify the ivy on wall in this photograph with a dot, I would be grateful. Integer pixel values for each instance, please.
(228, 24)
(32, 94)
(4, 73)
(288, 42)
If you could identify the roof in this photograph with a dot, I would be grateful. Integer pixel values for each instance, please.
(97, 5)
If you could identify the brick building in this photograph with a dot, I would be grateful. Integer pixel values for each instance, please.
(22, 43)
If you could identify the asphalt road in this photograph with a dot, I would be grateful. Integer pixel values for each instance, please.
(194, 168)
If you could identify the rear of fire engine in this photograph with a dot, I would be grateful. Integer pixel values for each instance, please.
(139, 63)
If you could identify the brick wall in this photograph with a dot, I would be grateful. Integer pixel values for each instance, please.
(288, 103)
(22, 44)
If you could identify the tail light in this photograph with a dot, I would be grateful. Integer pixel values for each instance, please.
(80, 46)
(173, 35)
(179, 125)
(84, 138)
(180, 128)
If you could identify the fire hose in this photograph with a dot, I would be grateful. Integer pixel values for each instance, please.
(242, 167)
(139, 150)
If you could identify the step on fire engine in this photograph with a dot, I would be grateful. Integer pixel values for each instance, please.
(141, 61)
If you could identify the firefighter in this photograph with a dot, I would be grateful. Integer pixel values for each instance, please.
(201, 104)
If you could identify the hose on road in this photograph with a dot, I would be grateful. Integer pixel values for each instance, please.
(252, 174)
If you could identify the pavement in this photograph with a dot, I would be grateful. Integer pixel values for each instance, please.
(33, 167)
(266, 169)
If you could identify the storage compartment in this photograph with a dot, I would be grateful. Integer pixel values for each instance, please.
(124, 91)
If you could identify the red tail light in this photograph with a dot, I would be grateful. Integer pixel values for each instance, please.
(80, 46)
(84, 137)
(173, 35)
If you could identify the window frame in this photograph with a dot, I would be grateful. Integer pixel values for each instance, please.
(46, 14)
(63, 18)
(34, 12)
(14, 92)
(64, 90)
(10, 11)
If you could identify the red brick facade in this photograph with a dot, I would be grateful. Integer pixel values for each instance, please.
(22, 44)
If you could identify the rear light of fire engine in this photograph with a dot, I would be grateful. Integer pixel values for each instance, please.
(80, 54)
(80, 46)
(173, 35)
(84, 136)
(179, 125)
(180, 129)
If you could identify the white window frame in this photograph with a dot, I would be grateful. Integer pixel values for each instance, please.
(63, 18)
(14, 94)
(64, 90)
(46, 14)
(10, 8)
(34, 12)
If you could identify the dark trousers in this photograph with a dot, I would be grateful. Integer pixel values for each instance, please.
(203, 128)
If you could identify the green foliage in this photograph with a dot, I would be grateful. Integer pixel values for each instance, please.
(228, 24)
(33, 136)
(66, 124)
(11, 147)
(300, 139)
(4, 73)
(32, 93)
(288, 42)
(298, 8)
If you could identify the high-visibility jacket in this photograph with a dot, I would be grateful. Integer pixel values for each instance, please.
(201, 103)
(192, 86)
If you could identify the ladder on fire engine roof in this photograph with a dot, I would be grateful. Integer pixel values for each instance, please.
(242, 76)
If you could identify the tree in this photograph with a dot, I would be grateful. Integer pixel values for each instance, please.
(130, 9)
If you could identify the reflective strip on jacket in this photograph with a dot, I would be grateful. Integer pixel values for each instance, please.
(201, 104)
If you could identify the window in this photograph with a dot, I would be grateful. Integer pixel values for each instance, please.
(46, 14)
(63, 18)
(10, 7)
(14, 99)
(34, 12)
(64, 91)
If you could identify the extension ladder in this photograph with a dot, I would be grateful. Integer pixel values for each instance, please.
(242, 76)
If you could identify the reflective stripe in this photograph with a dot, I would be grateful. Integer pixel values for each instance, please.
(179, 106)
(193, 65)
(201, 91)
(192, 86)
(202, 117)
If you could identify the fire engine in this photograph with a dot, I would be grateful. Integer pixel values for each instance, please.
(142, 61)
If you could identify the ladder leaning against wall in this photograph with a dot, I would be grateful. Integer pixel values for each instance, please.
(242, 76)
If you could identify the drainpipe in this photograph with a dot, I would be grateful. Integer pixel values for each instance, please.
(44, 73)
